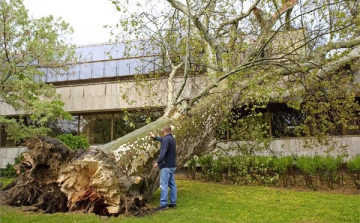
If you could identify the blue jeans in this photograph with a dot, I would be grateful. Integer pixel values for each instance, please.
(167, 179)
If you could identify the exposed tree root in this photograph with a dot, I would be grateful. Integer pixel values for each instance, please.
(36, 185)
(54, 179)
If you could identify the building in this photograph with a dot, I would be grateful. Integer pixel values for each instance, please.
(100, 92)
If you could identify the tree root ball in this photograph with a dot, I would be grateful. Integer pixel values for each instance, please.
(53, 178)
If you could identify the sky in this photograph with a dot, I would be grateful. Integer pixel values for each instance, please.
(87, 17)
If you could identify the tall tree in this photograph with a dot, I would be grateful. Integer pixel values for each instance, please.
(27, 45)
(247, 53)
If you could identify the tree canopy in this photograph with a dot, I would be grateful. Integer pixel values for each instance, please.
(27, 45)
(303, 53)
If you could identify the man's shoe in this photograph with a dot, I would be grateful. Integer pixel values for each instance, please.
(160, 208)
(172, 205)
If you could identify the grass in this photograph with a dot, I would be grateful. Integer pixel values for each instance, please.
(213, 202)
(5, 181)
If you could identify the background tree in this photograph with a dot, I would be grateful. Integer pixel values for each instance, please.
(247, 52)
(27, 45)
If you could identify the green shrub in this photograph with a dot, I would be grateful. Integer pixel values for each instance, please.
(206, 163)
(262, 170)
(10, 171)
(329, 170)
(242, 170)
(74, 142)
(265, 170)
(220, 168)
(308, 164)
(238, 170)
(283, 165)
(309, 167)
(216, 169)
(191, 165)
(353, 166)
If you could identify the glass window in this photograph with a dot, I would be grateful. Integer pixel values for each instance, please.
(354, 126)
(125, 123)
(59, 127)
(85, 53)
(96, 128)
(148, 65)
(98, 52)
(5, 140)
(135, 66)
(85, 70)
(62, 75)
(123, 67)
(51, 75)
(110, 68)
(97, 70)
(73, 73)
(114, 51)
(284, 123)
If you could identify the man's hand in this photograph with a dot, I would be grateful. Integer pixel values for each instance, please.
(156, 165)
(152, 135)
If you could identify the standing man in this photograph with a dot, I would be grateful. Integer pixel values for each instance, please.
(167, 165)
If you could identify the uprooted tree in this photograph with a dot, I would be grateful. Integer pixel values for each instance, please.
(304, 53)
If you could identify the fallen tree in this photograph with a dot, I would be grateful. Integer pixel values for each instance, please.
(120, 178)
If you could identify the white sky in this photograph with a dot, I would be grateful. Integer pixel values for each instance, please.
(87, 17)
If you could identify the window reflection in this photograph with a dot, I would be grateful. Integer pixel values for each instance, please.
(284, 123)
(60, 127)
(354, 128)
(96, 128)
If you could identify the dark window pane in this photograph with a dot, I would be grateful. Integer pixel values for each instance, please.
(354, 126)
(126, 123)
(96, 128)
(284, 123)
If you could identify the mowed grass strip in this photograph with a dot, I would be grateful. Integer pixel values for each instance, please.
(215, 202)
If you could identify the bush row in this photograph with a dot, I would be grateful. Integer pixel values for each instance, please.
(266, 170)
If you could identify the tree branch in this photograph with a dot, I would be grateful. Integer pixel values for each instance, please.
(6, 52)
(236, 19)
(199, 25)
(338, 45)
(351, 56)
(174, 69)
(205, 8)
(187, 58)
(259, 45)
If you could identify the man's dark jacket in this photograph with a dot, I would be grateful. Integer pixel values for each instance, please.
(167, 158)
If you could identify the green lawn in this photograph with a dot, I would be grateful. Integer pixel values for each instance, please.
(5, 181)
(212, 202)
